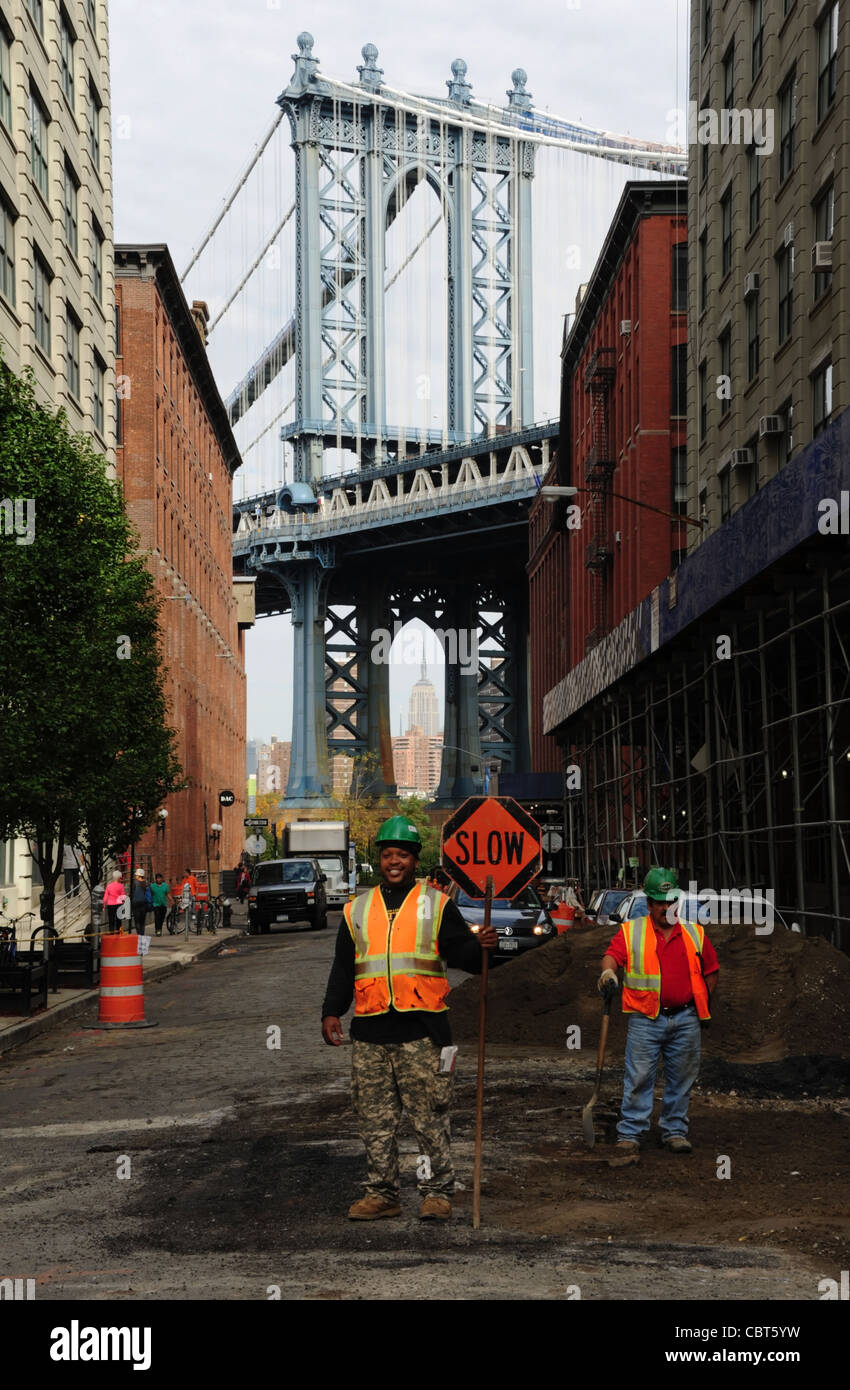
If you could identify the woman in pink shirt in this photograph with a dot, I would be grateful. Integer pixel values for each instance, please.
(113, 897)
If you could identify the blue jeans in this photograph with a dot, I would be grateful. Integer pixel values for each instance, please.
(676, 1039)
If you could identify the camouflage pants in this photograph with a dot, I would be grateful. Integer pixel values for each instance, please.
(386, 1078)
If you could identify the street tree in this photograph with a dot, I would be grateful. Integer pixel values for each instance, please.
(84, 743)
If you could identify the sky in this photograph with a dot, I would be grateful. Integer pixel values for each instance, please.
(194, 87)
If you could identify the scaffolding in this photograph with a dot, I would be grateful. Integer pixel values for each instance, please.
(726, 755)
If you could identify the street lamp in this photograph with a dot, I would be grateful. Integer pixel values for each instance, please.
(161, 818)
(493, 767)
(552, 494)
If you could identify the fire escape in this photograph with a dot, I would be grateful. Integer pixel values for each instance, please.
(598, 471)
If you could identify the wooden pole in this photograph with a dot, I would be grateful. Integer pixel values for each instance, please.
(479, 1099)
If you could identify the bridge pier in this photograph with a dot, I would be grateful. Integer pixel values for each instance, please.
(378, 777)
(309, 770)
(461, 740)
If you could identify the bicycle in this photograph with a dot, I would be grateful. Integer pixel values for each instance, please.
(8, 938)
(217, 909)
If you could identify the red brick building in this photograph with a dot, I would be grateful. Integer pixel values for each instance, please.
(175, 458)
(623, 435)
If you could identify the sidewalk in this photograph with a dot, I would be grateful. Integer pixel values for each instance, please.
(166, 954)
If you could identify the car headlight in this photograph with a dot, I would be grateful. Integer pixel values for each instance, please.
(540, 931)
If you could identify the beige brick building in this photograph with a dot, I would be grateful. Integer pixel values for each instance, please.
(56, 254)
(767, 216)
(57, 303)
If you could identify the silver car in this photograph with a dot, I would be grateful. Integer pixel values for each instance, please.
(712, 909)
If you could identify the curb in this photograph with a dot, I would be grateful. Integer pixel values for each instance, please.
(28, 1028)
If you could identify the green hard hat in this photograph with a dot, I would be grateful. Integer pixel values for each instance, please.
(398, 830)
(661, 885)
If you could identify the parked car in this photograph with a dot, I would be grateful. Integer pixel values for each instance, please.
(711, 909)
(521, 922)
(287, 890)
(604, 902)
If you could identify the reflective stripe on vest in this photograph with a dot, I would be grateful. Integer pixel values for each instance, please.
(642, 976)
(398, 965)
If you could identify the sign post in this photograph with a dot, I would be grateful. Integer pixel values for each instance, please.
(490, 848)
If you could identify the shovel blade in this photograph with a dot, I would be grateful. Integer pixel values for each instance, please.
(587, 1122)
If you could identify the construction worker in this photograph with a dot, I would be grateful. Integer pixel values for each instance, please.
(670, 971)
(391, 954)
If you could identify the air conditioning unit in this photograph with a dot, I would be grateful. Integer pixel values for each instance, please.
(625, 327)
(770, 424)
(751, 284)
(789, 234)
(741, 458)
(822, 255)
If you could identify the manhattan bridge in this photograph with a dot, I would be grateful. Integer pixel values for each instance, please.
(387, 289)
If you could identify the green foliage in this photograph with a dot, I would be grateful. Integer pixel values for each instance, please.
(417, 810)
(84, 745)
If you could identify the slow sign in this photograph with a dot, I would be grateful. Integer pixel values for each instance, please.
(491, 835)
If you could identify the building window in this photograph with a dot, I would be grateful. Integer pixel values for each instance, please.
(753, 470)
(703, 171)
(753, 338)
(71, 200)
(72, 354)
(99, 393)
(703, 272)
(785, 264)
(725, 480)
(94, 126)
(757, 8)
(680, 278)
(36, 9)
(679, 480)
(729, 77)
(726, 232)
(703, 402)
(824, 227)
(39, 122)
(42, 303)
(119, 420)
(97, 261)
(725, 342)
(5, 79)
(787, 125)
(679, 380)
(821, 397)
(7, 254)
(66, 57)
(754, 186)
(786, 438)
(827, 49)
(91, 14)
(117, 330)
(706, 23)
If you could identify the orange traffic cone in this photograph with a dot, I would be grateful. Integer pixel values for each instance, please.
(122, 993)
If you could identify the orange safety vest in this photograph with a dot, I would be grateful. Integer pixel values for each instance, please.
(642, 978)
(398, 966)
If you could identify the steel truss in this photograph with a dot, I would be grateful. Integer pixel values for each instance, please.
(728, 757)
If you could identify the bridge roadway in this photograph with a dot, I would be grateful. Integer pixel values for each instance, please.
(465, 509)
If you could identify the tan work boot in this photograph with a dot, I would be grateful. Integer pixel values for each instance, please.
(625, 1147)
(435, 1208)
(372, 1207)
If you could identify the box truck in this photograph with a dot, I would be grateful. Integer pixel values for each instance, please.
(330, 843)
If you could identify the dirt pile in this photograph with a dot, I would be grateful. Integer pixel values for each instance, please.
(778, 996)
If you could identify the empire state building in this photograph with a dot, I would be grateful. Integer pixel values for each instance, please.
(423, 710)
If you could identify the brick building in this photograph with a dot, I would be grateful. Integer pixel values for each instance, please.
(623, 436)
(176, 457)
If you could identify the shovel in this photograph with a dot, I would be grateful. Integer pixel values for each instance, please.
(587, 1112)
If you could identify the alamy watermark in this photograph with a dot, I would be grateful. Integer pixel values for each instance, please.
(738, 906)
(708, 125)
(17, 518)
(456, 646)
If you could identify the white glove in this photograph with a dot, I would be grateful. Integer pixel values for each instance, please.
(607, 976)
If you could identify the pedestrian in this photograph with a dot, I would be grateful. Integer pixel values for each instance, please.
(391, 954)
(113, 897)
(71, 869)
(243, 881)
(141, 902)
(190, 883)
(670, 971)
(159, 894)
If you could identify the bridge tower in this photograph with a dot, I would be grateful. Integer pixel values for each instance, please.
(360, 150)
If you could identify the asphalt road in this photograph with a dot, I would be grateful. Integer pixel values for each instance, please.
(195, 1160)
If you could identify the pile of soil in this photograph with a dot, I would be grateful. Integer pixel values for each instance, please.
(778, 996)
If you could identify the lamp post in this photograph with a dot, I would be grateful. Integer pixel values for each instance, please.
(552, 494)
(491, 767)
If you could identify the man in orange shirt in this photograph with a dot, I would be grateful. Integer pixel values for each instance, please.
(670, 971)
